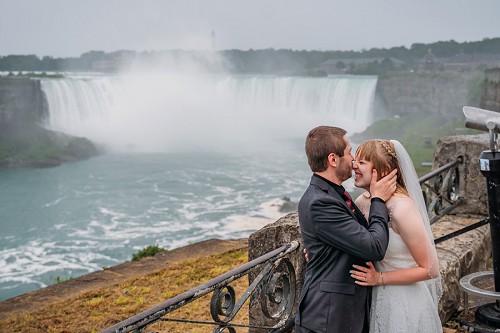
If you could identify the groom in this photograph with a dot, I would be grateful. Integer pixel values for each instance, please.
(336, 235)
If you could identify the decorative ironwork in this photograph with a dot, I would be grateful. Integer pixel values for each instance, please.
(275, 282)
(442, 195)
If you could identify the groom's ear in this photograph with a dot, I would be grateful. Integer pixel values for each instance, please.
(332, 159)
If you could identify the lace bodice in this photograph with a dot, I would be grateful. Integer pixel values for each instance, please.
(397, 256)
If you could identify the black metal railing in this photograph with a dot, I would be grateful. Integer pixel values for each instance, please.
(275, 283)
(441, 189)
(442, 194)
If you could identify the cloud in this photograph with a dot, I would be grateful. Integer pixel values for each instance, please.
(63, 28)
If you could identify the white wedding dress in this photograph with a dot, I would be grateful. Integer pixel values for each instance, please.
(400, 308)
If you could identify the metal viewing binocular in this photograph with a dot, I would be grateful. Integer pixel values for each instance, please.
(483, 120)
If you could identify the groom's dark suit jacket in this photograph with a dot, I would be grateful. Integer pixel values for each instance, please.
(335, 239)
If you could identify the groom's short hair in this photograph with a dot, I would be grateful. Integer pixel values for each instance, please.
(321, 142)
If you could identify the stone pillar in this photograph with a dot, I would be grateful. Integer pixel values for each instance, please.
(271, 237)
(472, 186)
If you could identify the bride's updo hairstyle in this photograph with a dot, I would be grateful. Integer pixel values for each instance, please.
(383, 156)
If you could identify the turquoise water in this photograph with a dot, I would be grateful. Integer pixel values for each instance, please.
(196, 156)
(76, 218)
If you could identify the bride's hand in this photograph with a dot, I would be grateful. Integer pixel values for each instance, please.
(365, 276)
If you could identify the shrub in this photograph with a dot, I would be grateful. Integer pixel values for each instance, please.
(148, 251)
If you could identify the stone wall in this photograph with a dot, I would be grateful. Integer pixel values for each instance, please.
(418, 94)
(490, 96)
(458, 256)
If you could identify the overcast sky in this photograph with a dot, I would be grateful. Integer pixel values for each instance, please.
(67, 28)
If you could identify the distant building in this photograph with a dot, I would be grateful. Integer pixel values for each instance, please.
(471, 62)
(457, 63)
(119, 61)
(429, 63)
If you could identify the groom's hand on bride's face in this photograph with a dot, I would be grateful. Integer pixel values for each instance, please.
(385, 187)
(385, 172)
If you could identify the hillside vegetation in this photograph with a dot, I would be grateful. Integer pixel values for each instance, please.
(265, 61)
(418, 134)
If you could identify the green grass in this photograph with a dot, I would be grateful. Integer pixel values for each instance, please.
(96, 310)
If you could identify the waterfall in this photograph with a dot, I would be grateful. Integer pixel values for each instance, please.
(160, 112)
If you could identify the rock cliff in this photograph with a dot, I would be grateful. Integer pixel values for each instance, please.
(24, 142)
(424, 94)
(490, 97)
(22, 105)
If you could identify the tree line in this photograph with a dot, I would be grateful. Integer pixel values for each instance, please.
(249, 61)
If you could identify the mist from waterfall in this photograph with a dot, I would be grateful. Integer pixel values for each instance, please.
(171, 111)
(192, 157)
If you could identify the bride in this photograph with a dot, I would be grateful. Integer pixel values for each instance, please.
(406, 283)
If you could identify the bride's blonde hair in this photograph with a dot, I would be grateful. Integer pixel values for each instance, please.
(383, 156)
